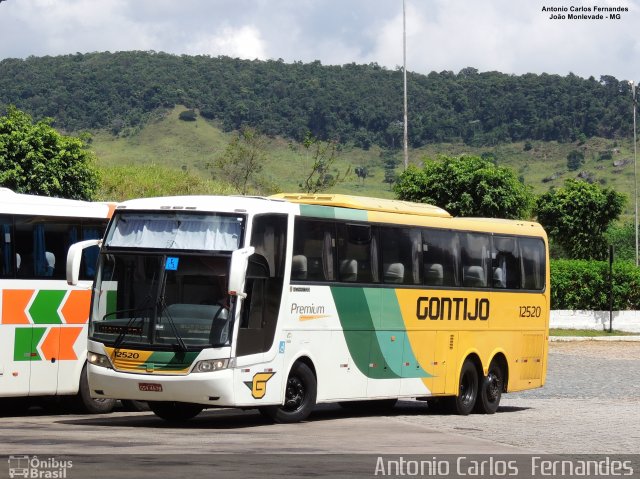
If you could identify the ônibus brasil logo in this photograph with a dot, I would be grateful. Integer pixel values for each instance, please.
(34, 467)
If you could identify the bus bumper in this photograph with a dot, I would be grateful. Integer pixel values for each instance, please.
(213, 389)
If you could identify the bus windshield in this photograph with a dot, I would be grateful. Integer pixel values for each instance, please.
(175, 231)
(165, 301)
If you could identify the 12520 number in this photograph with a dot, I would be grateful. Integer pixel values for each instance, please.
(530, 311)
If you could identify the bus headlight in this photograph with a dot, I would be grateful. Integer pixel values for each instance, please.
(210, 365)
(98, 360)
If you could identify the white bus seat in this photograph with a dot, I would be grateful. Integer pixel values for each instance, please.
(349, 270)
(433, 274)
(498, 278)
(393, 273)
(51, 263)
(474, 277)
(299, 267)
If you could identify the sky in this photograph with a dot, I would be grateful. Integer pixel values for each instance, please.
(510, 36)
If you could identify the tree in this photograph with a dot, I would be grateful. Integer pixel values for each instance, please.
(361, 172)
(577, 217)
(323, 155)
(242, 162)
(575, 159)
(466, 186)
(36, 159)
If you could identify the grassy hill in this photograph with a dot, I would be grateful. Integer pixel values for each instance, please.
(189, 148)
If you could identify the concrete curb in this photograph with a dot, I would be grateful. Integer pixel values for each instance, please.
(594, 338)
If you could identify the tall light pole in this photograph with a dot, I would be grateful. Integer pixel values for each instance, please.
(404, 70)
(635, 165)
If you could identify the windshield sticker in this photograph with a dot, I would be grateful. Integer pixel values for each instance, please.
(171, 264)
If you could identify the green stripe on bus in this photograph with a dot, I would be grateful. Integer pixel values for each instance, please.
(44, 309)
(379, 352)
(333, 213)
(169, 361)
(359, 333)
(26, 344)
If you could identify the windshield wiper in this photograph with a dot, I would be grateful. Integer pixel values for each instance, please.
(164, 309)
(125, 330)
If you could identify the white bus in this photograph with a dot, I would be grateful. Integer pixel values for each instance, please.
(282, 303)
(43, 321)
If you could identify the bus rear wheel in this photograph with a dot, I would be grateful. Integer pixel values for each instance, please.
(174, 411)
(465, 401)
(491, 390)
(300, 396)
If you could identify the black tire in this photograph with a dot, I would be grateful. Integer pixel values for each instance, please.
(83, 401)
(134, 406)
(300, 397)
(465, 401)
(375, 405)
(491, 390)
(174, 411)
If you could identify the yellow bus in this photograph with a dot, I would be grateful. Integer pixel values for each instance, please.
(281, 303)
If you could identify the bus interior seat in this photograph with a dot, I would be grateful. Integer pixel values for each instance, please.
(498, 278)
(393, 273)
(258, 266)
(18, 261)
(433, 274)
(50, 259)
(349, 270)
(474, 277)
(299, 267)
(314, 268)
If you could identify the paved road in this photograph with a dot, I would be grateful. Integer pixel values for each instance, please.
(590, 405)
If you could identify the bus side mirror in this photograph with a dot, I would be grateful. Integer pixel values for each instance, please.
(74, 257)
(238, 270)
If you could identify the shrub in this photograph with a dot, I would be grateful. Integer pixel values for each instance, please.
(584, 285)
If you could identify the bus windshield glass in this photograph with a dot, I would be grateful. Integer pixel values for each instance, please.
(175, 231)
(162, 280)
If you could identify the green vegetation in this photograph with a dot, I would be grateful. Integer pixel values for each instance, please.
(242, 163)
(587, 332)
(466, 186)
(577, 217)
(36, 159)
(582, 284)
(354, 104)
(121, 183)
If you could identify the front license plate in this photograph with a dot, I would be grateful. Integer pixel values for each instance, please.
(154, 387)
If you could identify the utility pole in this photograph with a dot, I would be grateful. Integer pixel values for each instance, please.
(635, 165)
(404, 70)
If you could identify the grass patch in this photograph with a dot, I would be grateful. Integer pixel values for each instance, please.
(193, 146)
(587, 332)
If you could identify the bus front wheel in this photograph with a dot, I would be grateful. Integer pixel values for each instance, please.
(300, 396)
(85, 403)
(465, 401)
(174, 411)
(491, 390)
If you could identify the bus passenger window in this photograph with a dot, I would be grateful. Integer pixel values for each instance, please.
(313, 251)
(6, 249)
(533, 263)
(440, 253)
(400, 255)
(358, 253)
(475, 252)
(505, 264)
